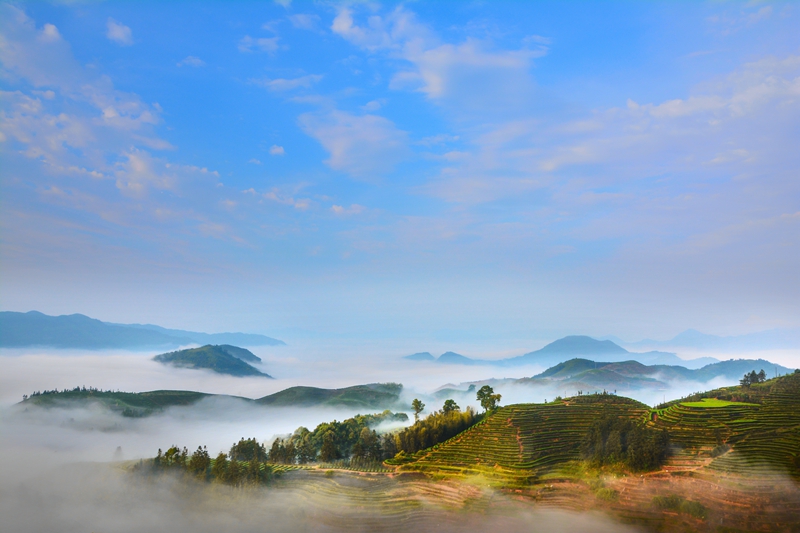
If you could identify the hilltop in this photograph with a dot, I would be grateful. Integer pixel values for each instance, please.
(371, 395)
(75, 331)
(220, 359)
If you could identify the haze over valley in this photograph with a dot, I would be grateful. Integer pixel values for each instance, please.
(399, 266)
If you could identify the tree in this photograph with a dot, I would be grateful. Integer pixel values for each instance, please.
(450, 406)
(199, 462)
(329, 452)
(220, 469)
(488, 399)
(762, 376)
(417, 406)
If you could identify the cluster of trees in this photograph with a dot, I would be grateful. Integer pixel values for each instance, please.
(241, 466)
(752, 378)
(616, 440)
(331, 441)
(435, 428)
(56, 391)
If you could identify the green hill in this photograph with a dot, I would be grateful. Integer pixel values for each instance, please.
(524, 440)
(375, 395)
(216, 358)
(743, 427)
(583, 374)
(132, 404)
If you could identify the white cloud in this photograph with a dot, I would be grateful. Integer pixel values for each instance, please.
(360, 145)
(50, 33)
(373, 105)
(191, 61)
(119, 33)
(262, 44)
(284, 3)
(354, 209)
(282, 84)
(254, 161)
(304, 21)
(468, 77)
(277, 150)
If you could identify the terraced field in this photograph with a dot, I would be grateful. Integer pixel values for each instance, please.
(761, 437)
(525, 440)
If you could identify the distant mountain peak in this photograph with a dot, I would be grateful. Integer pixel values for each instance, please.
(580, 345)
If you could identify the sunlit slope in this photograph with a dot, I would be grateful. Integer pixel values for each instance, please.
(526, 436)
(762, 428)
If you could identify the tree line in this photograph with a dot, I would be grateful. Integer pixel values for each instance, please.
(354, 440)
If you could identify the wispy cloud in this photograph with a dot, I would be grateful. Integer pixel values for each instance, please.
(258, 44)
(191, 61)
(364, 146)
(287, 84)
(119, 33)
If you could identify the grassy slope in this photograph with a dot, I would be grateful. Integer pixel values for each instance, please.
(374, 395)
(524, 439)
(210, 357)
(762, 427)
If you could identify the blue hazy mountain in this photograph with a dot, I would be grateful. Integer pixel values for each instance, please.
(421, 356)
(19, 330)
(574, 346)
(773, 339)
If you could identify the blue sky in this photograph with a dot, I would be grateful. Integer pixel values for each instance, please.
(447, 170)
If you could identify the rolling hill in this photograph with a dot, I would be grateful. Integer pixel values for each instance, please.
(18, 330)
(729, 430)
(137, 404)
(216, 358)
(375, 395)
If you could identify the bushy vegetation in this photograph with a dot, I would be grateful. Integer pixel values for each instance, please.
(437, 427)
(331, 441)
(753, 377)
(618, 440)
(673, 502)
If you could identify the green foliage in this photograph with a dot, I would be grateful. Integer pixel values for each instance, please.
(248, 449)
(450, 406)
(617, 440)
(488, 399)
(434, 429)
(607, 494)
(335, 440)
(673, 502)
(418, 407)
(752, 377)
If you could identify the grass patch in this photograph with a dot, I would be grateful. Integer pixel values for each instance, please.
(714, 402)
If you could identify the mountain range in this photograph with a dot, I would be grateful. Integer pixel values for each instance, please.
(568, 348)
(587, 375)
(773, 339)
(77, 331)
